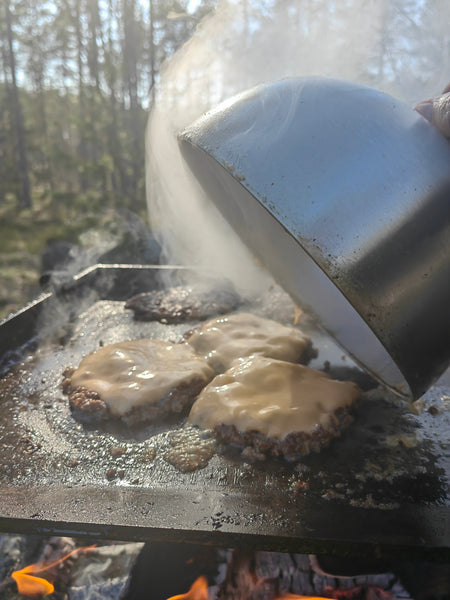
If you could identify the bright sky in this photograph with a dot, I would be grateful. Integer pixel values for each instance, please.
(193, 4)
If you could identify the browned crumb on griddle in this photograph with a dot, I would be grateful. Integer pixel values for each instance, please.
(86, 404)
(190, 449)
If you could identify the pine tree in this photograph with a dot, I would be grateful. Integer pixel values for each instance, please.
(24, 196)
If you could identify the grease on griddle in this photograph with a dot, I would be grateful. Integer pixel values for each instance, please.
(77, 456)
(191, 449)
(148, 454)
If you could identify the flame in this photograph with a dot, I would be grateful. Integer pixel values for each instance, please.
(296, 597)
(30, 585)
(198, 591)
(297, 314)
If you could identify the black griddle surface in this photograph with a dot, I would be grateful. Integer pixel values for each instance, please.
(380, 488)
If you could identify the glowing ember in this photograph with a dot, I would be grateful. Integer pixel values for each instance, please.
(30, 585)
(198, 591)
(348, 594)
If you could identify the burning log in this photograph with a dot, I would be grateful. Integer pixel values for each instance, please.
(188, 572)
(283, 576)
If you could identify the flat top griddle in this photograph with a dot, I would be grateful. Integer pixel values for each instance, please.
(382, 488)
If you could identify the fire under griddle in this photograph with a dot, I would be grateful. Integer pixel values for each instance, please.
(380, 489)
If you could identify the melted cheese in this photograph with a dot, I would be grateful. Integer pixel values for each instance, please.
(273, 397)
(237, 336)
(130, 374)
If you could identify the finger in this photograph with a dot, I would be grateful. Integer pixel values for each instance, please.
(441, 114)
(437, 111)
(425, 108)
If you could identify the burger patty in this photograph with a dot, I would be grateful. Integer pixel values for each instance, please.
(88, 407)
(257, 446)
(179, 304)
(271, 406)
(136, 381)
(236, 336)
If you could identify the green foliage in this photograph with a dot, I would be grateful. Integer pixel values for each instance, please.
(23, 237)
(84, 68)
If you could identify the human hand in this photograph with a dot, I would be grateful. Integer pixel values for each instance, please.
(437, 111)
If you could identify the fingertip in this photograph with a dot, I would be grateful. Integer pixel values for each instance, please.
(425, 109)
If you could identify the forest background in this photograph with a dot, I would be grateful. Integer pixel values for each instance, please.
(77, 78)
(77, 81)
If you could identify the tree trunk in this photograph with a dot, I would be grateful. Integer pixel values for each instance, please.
(45, 135)
(119, 177)
(82, 146)
(24, 195)
(4, 131)
(131, 82)
(152, 52)
(94, 33)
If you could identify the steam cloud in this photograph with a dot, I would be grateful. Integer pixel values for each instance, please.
(240, 46)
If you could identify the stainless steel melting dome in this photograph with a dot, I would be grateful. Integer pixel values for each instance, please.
(343, 192)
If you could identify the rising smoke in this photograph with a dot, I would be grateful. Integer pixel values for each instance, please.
(243, 44)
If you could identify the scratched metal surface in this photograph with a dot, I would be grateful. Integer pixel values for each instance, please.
(381, 487)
